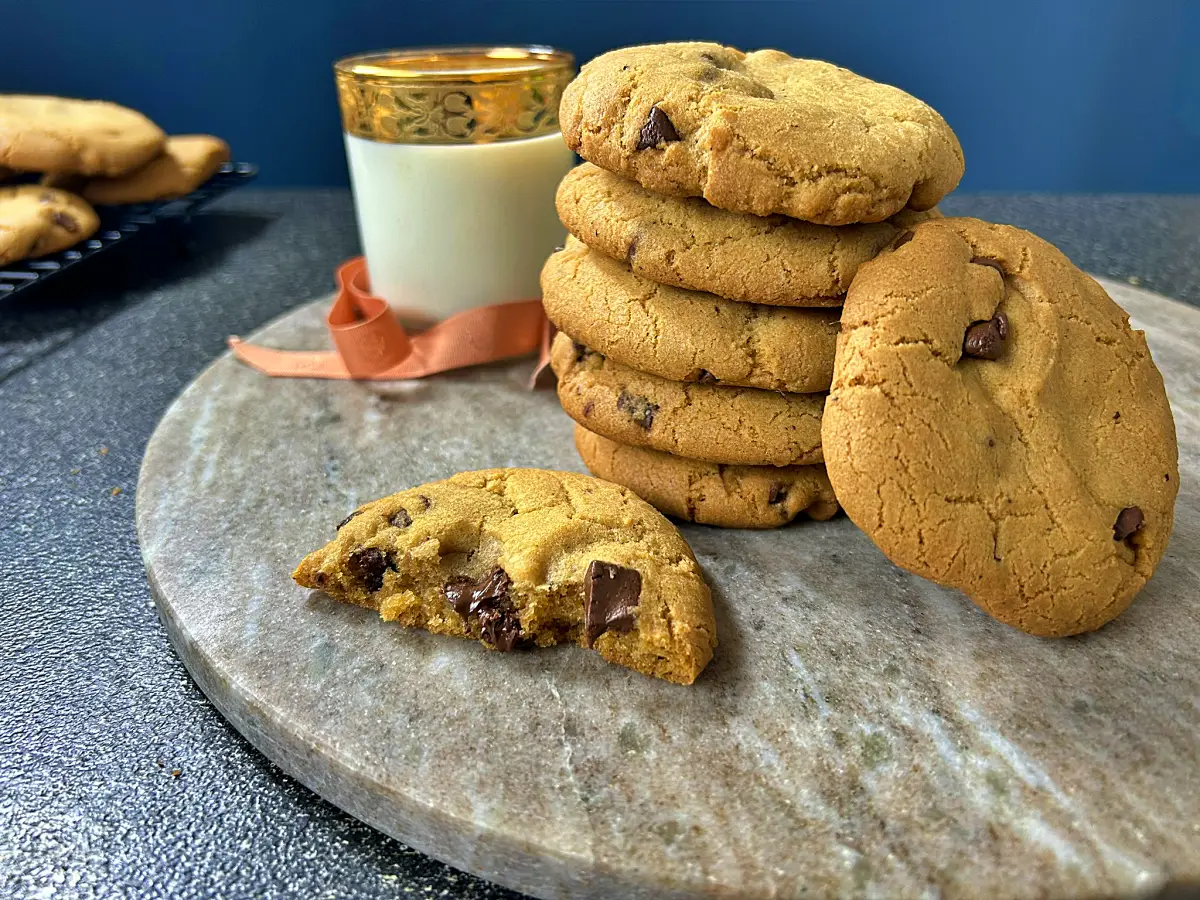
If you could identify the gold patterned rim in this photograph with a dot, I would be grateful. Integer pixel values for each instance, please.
(452, 95)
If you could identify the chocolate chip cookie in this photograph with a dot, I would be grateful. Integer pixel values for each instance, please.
(520, 557)
(995, 425)
(36, 220)
(84, 137)
(708, 493)
(686, 335)
(688, 243)
(187, 161)
(760, 133)
(710, 422)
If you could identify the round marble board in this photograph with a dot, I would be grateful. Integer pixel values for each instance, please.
(860, 731)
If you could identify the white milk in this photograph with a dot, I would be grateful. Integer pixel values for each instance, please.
(448, 227)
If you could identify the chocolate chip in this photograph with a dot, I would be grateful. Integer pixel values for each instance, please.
(500, 627)
(632, 249)
(425, 501)
(1117, 416)
(357, 512)
(657, 130)
(610, 599)
(640, 409)
(368, 564)
(984, 261)
(707, 377)
(469, 596)
(400, 518)
(902, 240)
(488, 599)
(582, 352)
(65, 222)
(588, 408)
(777, 494)
(1129, 521)
(319, 579)
(985, 340)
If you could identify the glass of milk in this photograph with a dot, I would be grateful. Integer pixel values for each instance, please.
(455, 155)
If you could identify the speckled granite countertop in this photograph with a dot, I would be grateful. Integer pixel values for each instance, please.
(116, 775)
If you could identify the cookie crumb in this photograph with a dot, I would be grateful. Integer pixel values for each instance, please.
(104, 451)
(175, 773)
(114, 492)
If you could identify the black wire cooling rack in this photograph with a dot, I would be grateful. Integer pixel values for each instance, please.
(119, 223)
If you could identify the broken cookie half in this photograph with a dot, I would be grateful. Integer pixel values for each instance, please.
(520, 557)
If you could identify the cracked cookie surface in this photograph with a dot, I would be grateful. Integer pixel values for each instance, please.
(709, 493)
(514, 557)
(997, 426)
(760, 133)
(688, 243)
(710, 422)
(36, 220)
(686, 335)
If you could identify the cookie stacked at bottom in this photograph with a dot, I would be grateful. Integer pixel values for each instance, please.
(697, 346)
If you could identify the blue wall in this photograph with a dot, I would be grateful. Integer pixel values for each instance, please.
(1059, 95)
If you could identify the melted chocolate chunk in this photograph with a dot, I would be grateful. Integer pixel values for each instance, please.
(65, 222)
(707, 377)
(469, 596)
(342, 523)
(368, 564)
(984, 261)
(902, 240)
(610, 599)
(582, 351)
(985, 340)
(1129, 521)
(657, 130)
(400, 518)
(500, 627)
(487, 598)
(640, 409)
(777, 494)
(425, 501)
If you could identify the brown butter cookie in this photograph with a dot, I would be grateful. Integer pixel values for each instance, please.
(995, 425)
(686, 335)
(760, 133)
(708, 493)
(85, 137)
(36, 220)
(710, 422)
(688, 243)
(518, 557)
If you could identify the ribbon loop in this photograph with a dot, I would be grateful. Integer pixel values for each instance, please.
(370, 343)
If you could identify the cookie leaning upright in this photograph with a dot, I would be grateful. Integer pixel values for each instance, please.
(760, 133)
(82, 137)
(996, 426)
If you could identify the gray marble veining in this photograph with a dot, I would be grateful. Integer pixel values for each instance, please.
(860, 730)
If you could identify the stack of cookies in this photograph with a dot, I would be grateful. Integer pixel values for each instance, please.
(987, 414)
(726, 203)
(87, 152)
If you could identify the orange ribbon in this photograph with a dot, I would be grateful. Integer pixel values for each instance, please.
(370, 343)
